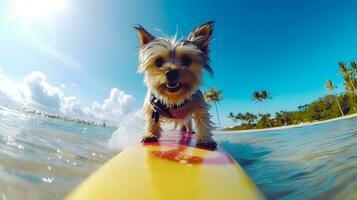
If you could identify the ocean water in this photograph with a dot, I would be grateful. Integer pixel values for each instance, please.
(44, 158)
(310, 162)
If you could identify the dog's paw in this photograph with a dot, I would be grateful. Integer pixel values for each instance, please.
(149, 138)
(207, 145)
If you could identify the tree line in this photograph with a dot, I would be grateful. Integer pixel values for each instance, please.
(330, 106)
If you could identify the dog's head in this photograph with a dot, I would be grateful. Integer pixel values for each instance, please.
(173, 68)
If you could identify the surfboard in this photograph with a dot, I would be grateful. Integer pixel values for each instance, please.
(173, 168)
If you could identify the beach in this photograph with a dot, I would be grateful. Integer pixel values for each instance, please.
(219, 132)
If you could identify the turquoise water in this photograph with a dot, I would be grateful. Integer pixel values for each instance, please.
(311, 162)
(44, 158)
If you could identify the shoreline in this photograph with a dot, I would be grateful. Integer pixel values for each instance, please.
(61, 117)
(222, 132)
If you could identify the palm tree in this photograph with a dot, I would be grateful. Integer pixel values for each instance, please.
(266, 96)
(282, 116)
(354, 67)
(240, 116)
(330, 87)
(265, 116)
(214, 95)
(347, 75)
(257, 96)
(232, 116)
(354, 72)
(262, 96)
(250, 117)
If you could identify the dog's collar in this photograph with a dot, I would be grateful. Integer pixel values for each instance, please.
(160, 108)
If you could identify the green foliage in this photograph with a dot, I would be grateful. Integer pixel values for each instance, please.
(349, 76)
(214, 95)
(327, 107)
(322, 109)
(261, 96)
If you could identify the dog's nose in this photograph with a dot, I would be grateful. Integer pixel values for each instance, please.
(172, 75)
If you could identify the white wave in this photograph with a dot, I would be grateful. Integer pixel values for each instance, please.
(129, 132)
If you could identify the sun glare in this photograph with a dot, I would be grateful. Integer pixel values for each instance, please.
(30, 11)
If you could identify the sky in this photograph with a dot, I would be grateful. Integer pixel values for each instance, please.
(79, 57)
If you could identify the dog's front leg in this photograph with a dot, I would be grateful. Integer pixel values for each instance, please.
(153, 128)
(187, 125)
(203, 128)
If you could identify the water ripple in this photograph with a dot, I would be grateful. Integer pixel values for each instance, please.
(311, 162)
(44, 158)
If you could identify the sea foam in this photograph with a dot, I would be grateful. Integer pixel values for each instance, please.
(130, 131)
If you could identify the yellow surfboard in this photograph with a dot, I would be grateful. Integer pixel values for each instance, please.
(170, 169)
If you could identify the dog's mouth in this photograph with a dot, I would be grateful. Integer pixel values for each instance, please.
(173, 86)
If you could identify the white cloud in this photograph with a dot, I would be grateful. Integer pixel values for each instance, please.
(7, 100)
(10, 92)
(71, 106)
(36, 92)
(40, 94)
(113, 108)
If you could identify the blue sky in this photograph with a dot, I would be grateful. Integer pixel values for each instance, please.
(289, 48)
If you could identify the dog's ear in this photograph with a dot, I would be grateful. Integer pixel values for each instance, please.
(202, 35)
(144, 36)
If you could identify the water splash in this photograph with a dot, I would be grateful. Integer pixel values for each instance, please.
(129, 131)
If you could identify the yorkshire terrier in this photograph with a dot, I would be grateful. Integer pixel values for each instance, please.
(173, 74)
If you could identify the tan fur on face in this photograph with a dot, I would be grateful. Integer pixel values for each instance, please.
(189, 78)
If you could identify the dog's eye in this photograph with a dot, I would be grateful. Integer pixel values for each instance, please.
(186, 61)
(159, 62)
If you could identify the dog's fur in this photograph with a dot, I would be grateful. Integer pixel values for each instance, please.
(157, 56)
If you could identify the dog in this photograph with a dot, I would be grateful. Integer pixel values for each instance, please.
(173, 74)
